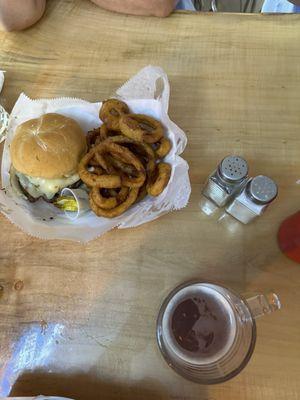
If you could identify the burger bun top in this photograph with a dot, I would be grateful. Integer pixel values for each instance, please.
(48, 147)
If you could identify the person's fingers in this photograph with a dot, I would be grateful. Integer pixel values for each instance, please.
(18, 15)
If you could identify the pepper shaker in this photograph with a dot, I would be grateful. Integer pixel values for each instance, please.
(228, 179)
(254, 199)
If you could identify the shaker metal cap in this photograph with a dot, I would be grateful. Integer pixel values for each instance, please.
(262, 189)
(233, 168)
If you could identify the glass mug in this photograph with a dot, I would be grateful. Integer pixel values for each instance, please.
(207, 332)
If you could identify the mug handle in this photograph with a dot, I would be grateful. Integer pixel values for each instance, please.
(262, 304)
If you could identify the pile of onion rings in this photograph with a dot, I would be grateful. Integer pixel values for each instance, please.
(123, 164)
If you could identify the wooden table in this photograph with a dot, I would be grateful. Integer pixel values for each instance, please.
(79, 320)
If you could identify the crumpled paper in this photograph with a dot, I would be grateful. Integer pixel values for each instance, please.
(4, 116)
(147, 93)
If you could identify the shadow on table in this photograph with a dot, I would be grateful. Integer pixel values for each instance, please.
(84, 387)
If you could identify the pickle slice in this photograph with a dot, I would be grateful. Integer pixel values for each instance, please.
(66, 203)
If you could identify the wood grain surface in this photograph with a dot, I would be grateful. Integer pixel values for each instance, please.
(79, 320)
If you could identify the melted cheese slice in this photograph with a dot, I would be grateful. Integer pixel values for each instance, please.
(37, 187)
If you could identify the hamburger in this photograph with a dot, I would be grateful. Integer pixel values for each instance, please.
(45, 153)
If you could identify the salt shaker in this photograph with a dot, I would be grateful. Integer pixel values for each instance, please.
(253, 199)
(229, 177)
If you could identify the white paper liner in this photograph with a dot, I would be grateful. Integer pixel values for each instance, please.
(1, 80)
(146, 93)
(4, 116)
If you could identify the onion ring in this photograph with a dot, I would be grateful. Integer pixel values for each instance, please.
(111, 111)
(91, 137)
(127, 169)
(114, 198)
(119, 209)
(146, 150)
(145, 147)
(112, 192)
(105, 133)
(92, 179)
(97, 170)
(125, 155)
(103, 162)
(106, 203)
(163, 148)
(93, 162)
(141, 128)
(122, 195)
(159, 180)
(98, 135)
(142, 193)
